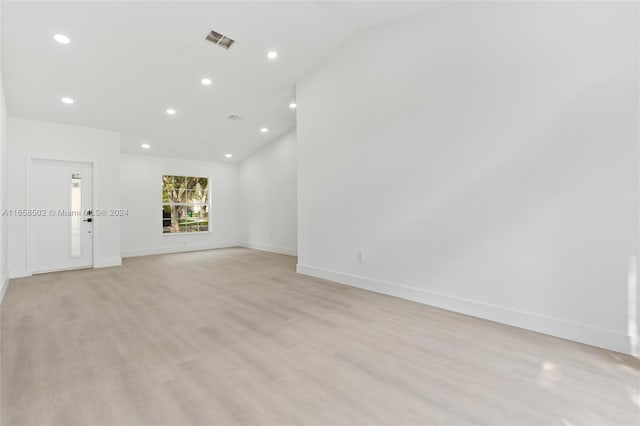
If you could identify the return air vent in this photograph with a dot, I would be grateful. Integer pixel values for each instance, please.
(220, 40)
(235, 117)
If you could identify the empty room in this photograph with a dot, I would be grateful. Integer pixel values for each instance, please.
(321, 213)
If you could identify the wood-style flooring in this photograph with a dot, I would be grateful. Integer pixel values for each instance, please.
(236, 337)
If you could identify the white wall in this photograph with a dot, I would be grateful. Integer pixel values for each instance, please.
(4, 269)
(39, 139)
(268, 201)
(4, 262)
(484, 158)
(140, 180)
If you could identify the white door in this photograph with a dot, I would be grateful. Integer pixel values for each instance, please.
(61, 224)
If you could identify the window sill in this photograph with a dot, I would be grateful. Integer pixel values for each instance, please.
(175, 234)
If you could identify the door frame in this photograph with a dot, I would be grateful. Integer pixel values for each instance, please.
(29, 202)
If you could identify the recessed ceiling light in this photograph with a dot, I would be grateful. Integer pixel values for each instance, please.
(264, 130)
(272, 55)
(62, 39)
(228, 155)
(206, 81)
(171, 111)
(67, 101)
(146, 146)
(293, 105)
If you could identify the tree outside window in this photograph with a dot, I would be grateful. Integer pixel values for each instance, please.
(185, 204)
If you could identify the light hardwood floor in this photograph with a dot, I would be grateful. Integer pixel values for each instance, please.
(235, 336)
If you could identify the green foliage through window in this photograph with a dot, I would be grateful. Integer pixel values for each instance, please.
(185, 204)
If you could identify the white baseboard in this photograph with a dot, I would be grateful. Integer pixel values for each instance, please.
(107, 263)
(19, 274)
(604, 338)
(168, 250)
(3, 287)
(273, 249)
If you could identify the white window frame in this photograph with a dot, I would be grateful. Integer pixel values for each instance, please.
(163, 204)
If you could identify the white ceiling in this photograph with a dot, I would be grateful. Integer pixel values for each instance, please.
(129, 61)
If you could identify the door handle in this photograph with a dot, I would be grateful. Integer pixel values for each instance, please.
(88, 220)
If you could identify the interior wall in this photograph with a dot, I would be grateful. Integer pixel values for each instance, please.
(39, 139)
(4, 269)
(140, 183)
(492, 170)
(268, 199)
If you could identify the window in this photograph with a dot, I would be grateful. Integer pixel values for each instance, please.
(185, 204)
(76, 214)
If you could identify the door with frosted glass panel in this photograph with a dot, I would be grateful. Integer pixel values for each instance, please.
(60, 215)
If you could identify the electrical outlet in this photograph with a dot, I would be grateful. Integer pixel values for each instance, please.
(360, 256)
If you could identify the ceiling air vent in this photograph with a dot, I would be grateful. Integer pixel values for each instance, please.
(220, 40)
(235, 117)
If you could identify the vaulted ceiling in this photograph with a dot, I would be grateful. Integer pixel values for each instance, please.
(128, 62)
